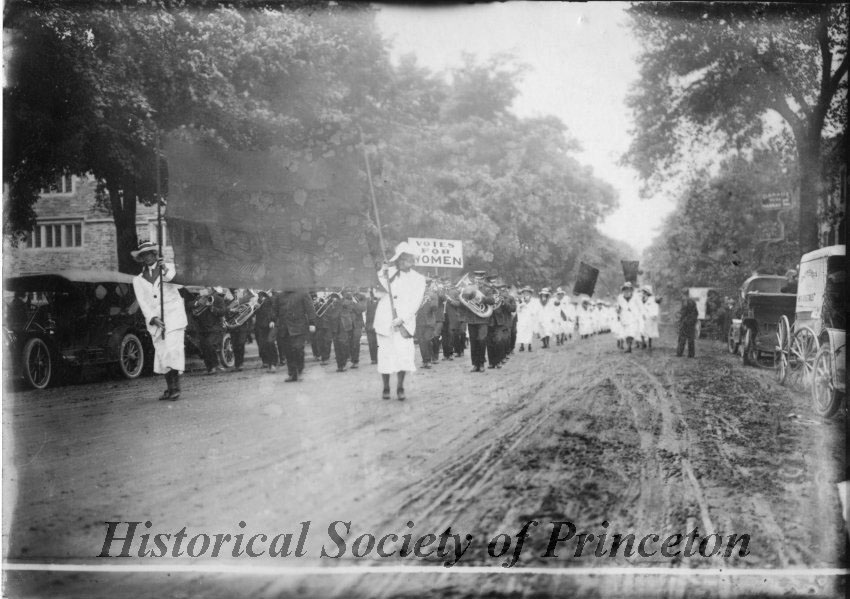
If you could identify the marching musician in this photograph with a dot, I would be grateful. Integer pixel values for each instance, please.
(476, 323)
(371, 336)
(323, 334)
(353, 306)
(454, 325)
(166, 314)
(210, 329)
(395, 317)
(426, 323)
(294, 317)
(499, 329)
(239, 334)
(264, 332)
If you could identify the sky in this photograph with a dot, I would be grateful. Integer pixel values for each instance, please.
(582, 62)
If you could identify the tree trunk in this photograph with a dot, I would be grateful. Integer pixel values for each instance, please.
(124, 216)
(811, 192)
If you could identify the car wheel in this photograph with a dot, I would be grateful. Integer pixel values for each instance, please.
(131, 356)
(39, 367)
(225, 354)
(825, 397)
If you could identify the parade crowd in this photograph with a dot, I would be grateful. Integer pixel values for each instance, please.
(480, 314)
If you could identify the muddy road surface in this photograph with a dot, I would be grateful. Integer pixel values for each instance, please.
(585, 442)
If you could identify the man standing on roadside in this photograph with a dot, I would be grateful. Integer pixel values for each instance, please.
(688, 316)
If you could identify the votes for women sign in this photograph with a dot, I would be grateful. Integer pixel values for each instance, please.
(447, 253)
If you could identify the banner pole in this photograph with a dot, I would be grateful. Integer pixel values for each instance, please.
(159, 234)
(377, 219)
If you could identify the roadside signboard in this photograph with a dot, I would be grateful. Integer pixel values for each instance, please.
(776, 200)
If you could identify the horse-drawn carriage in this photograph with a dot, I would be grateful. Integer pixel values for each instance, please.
(753, 335)
(811, 350)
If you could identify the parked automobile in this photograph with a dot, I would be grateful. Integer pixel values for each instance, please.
(753, 334)
(811, 342)
(70, 319)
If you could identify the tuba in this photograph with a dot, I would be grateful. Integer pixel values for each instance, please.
(473, 299)
(239, 314)
(331, 299)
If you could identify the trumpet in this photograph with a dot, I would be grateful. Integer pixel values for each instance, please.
(202, 304)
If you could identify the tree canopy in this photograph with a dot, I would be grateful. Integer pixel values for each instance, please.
(92, 86)
(716, 69)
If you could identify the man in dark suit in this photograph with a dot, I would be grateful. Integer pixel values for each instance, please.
(371, 335)
(263, 333)
(294, 318)
(476, 323)
(353, 306)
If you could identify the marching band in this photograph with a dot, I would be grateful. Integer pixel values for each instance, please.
(479, 312)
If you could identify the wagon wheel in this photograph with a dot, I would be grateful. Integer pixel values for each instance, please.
(801, 357)
(783, 346)
(730, 340)
(38, 363)
(825, 397)
(749, 352)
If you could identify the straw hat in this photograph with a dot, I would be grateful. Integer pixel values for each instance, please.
(145, 247)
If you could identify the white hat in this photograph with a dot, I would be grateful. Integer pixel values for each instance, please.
(647, 289)
(403, 248)
(145, 247)
(545, 291)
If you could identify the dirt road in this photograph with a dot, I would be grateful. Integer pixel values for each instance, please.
(636, 444)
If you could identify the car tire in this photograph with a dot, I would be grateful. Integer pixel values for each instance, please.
(225, 353)
(131, 356)
(38, 363)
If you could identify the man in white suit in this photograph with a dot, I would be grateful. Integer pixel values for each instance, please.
(165, 317)
(395, 323)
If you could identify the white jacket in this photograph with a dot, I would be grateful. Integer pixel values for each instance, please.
(147, 294)
(408, 289)
(631, 314)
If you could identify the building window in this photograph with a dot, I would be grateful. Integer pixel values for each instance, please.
(56, 235)
(63, 185)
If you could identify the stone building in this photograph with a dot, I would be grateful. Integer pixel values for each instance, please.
(72, 231)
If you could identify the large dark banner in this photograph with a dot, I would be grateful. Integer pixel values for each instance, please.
(586, 279)
(276, 219)
(630, 270)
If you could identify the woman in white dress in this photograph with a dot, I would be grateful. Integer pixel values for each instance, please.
(546, 319)
(394, 331)
(528, 313)
(630, 313)
(650, 315)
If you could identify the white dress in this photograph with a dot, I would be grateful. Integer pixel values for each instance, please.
(527, 316)
(169, 353)
(396, 352)
(650, 318)
(630, 316)
(546, 324)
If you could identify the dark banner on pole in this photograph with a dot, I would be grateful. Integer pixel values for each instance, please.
(276, 219)
(586, 279)
(630, 270)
